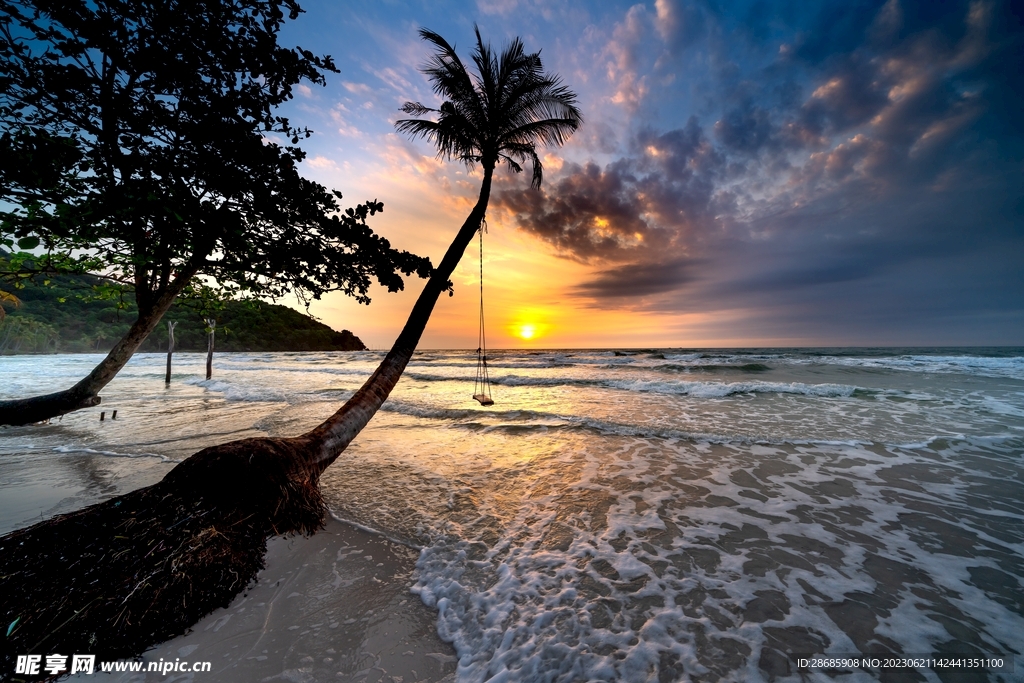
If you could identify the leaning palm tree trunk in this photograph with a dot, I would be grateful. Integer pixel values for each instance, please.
(150, 563)
(335, 434)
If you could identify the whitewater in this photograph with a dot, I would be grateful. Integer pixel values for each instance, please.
(635, 515)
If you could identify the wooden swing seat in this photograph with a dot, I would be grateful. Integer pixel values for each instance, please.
(482, 385)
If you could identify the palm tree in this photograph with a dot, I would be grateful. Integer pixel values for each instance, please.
(500, 113)
(157, 559)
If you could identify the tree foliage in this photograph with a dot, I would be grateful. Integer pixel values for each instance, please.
(70, 314)
(139, 140)
(498, 113)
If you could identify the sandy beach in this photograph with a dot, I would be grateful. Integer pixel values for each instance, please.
(617, 515)
(335, 606)
(332, 607)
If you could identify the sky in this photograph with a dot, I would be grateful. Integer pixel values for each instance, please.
(748, 173)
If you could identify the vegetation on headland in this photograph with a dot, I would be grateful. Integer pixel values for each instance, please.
(142, 142)
(61, 318)
(164, 555)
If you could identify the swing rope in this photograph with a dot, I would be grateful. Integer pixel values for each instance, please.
(482, 384)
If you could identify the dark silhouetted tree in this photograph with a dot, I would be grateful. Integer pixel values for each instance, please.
(139, 140)
(198, 537)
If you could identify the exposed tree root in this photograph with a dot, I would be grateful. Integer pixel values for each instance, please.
(116, 578)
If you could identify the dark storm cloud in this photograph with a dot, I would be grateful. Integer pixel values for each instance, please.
(840, 28)
(636, 280)
(910, 63)
(836, 28)
(853, 93)
(589, 213)
(747, 128)
(659, 198)
(860, 156)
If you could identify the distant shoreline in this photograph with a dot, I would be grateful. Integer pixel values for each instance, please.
(889, 350)
(55, 318)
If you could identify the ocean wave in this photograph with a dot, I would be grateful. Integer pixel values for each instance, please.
(525, 422)
(539, 422)
(110, 454)
(709, 368)
(240, 392)
(312, 368)
(457, 414)
(1004, 364)
(694, 389)
(1009, 367)
(519, 600)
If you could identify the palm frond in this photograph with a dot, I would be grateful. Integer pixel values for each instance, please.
(499, 113)
(417, 109)
(541, 99)
(524, 151)
(510, 68)
(547, 131)
(512, 165)
(448, 134)
(448, 76)
(487, 67)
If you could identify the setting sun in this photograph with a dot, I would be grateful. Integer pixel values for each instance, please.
(528, 325)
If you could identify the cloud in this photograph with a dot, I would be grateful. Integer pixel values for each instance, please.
(816, 179)
(598, 137)
(747, 128)
(640, 219)
(852, 93)
(659, 198)
(622, 66)
(344, 127)
(679, 24)
(356, 88)
(322, 163)
(634, 281)
(393, 79)
(499, 7)
(589, 213)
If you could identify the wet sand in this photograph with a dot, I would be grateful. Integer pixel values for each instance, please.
(666, 515)
(333, 607)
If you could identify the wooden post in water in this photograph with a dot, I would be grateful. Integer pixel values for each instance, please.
(170, 349)
(211, 325)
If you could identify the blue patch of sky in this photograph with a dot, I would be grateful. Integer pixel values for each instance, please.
(802, 158)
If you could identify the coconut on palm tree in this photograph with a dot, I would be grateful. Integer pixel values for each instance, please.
(150, 563)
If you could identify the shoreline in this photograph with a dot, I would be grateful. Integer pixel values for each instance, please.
(334, 606)
(686, 515)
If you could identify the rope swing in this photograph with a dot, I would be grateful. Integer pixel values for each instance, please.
(482, 384)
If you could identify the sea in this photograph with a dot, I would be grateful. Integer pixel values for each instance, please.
(848, 514)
